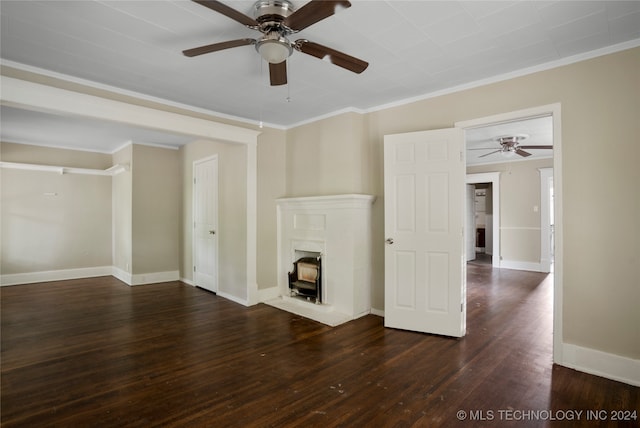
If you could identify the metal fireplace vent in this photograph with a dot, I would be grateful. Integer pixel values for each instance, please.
(306, 279)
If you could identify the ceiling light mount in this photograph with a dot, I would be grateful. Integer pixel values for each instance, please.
(511, 142)
(274, 47)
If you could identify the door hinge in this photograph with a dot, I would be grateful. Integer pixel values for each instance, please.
(461, 307)
(461, 156)
(194, 268)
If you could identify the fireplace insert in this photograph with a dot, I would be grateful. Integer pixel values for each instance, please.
(306, 279)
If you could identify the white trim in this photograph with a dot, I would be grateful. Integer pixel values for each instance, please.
(520, 265)
(512, 75)
(90, 272)
(252, 223)
(553, 110)
(265, 294)
(377, 312)
(128, 93)
(110, 172)
(122, 275)
(34, 96)
(546, 174)
(600, 363)
(154, 277)
(188, 282)
(231, 297)
(494, 79)
(54, 275)
(494, 179)
(329, 115)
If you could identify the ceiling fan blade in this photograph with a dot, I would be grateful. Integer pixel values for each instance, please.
(338, 58)
(278, 73)
(486, 148)
(536, 147)
(228, 12)
(522, 152)
(490, 153)
(217, 47)
(314, 11)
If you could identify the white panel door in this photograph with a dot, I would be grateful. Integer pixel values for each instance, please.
(205, 224)
(424, 189)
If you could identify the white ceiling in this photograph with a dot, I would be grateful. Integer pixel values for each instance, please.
(76, 133)
(415, 49)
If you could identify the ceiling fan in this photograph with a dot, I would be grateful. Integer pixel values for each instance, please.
(510, 145)
(276, 20)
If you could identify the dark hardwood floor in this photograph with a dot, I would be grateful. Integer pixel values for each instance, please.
(96, 352)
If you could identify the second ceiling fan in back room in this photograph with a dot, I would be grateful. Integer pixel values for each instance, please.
(510, 145)
(276, 20)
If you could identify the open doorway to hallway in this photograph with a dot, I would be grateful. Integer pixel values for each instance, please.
(518, 213)
(522, 232)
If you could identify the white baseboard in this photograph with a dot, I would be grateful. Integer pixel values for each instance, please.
(378, 312)
(188, 281)
(64, 274)
(122, 275)
(145, 278)
(227, 296)
(519, 265)
(266, 294)
(592, 361)
(155, 277)
(54, 275)
(233, 298)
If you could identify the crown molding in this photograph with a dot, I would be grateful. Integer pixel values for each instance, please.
(401, 102)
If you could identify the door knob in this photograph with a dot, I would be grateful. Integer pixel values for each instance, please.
(212, 232)
(389, 241)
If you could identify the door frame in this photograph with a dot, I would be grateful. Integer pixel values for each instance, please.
(546, 252)
(494, 179)
(553, 110)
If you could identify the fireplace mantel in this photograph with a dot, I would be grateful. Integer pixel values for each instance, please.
(339, 228)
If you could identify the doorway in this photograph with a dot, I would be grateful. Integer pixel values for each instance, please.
(556, 247)
(492, 224)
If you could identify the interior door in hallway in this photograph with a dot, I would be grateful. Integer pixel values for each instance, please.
(424, 191)
(205, 223)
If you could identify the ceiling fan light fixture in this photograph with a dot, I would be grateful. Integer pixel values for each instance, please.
(274, 49)
(508, 152)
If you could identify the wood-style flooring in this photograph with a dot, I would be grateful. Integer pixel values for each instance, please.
(95, 352)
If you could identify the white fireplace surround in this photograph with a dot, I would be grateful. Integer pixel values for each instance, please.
(339, 228)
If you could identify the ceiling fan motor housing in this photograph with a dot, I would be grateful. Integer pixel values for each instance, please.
(271, 13)
(511, 142)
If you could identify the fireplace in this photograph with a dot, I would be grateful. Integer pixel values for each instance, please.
(306, 279)
(325, 257)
